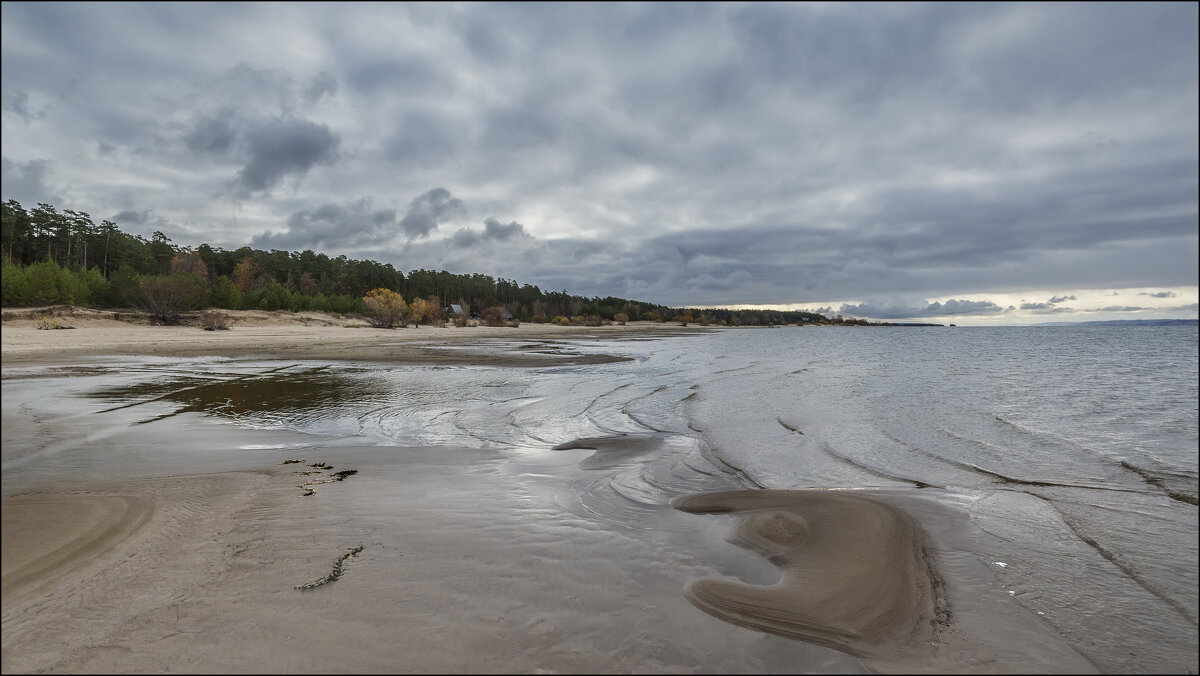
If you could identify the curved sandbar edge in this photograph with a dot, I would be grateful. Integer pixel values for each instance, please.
(856, 572)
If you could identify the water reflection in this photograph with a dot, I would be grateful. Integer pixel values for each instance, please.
(277, 392)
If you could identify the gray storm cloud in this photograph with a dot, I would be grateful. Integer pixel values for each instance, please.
(280, 148)
(213, 134)
(351, 224)
(429, 209)
(130, 216)
(269, 149)
(493, 231)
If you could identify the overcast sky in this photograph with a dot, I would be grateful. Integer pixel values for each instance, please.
(971, 163)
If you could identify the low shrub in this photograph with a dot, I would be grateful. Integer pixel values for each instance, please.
(48, 323)
(215, 320)
(493, 316)
(385, 309)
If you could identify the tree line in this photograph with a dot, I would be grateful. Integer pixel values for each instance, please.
(64, 257)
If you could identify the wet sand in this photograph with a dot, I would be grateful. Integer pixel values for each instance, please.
(48, 536)
(466, 566)
(464, 562)
(191, 545)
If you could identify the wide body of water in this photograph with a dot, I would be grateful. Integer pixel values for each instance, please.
(1072, 451)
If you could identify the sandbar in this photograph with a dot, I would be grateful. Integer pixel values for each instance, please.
(856, 573)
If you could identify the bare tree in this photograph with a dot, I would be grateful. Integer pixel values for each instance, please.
(167, 297)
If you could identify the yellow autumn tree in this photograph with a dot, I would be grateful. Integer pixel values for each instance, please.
(418, 310)
(245, 274)
(385, 308)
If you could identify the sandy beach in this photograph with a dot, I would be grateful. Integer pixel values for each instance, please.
(288, 335)
(191, 545)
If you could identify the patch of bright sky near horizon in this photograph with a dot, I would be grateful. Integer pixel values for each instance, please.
(969, 163)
